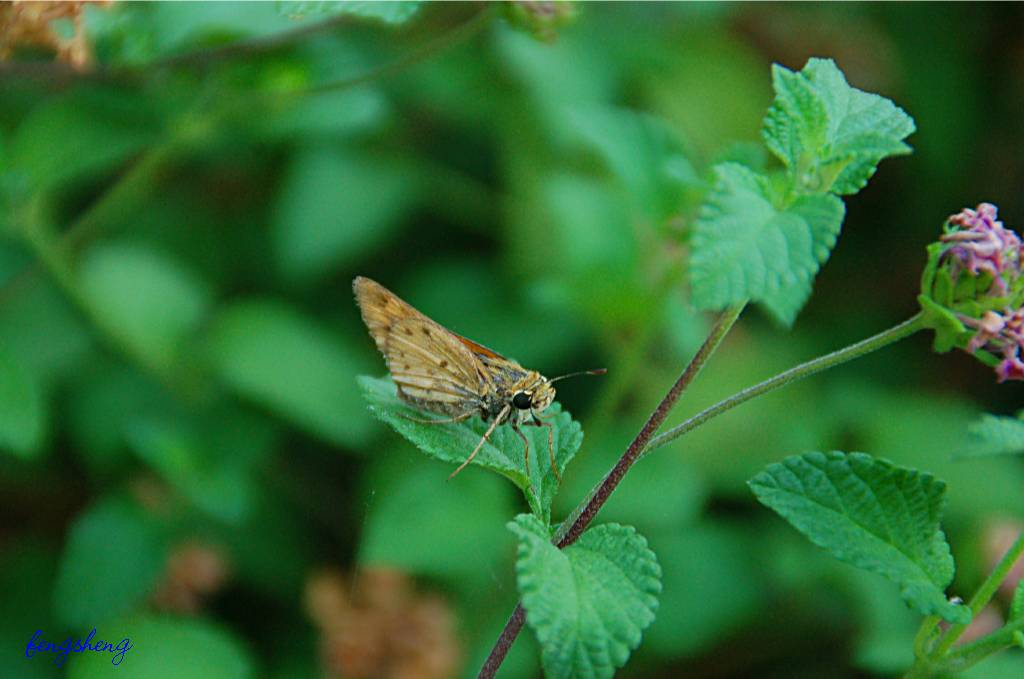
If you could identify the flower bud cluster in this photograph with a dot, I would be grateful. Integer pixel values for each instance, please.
(973, 290)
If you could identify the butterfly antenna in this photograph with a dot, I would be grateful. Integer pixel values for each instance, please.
(596, 371)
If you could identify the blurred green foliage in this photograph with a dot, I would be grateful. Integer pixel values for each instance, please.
(179, 349)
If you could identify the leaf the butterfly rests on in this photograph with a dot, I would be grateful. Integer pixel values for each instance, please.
(438, 371)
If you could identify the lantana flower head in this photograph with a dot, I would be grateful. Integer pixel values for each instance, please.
(981, 244)
(972, 291)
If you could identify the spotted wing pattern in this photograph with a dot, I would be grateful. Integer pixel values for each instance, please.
(430, 365)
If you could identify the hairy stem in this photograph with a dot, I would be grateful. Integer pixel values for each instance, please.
(581, 519)
(964, 656)
(645, 442)
(812, 367)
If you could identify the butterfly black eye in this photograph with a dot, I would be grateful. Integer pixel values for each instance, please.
(522, 400)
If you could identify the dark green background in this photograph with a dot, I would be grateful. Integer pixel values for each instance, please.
(178, 239)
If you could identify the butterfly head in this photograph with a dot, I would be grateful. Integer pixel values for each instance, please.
(534, 393)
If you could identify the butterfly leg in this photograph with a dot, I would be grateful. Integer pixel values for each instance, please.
(526, 449)
(540, 422)
(490, 430)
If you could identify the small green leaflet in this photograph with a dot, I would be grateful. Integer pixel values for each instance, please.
(829, 135)
(744, 247)
(992, 435)
(589, 603)
(872, 514)
(503, 453)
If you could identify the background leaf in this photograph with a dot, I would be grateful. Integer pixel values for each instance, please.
(114, 555)
(420, 524)
(144, 298)
(164, 647)
(389, 12)
(589, 603)
(22, 408)
(871, 514)
(334, 207)
(271, 354)
(994, 435)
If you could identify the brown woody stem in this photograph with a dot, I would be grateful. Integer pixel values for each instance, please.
(579, 522)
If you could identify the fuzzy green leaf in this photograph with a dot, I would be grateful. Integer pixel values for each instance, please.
(589, 603)
(645, 156)
(831, 136)
(993, 435)
(22, 408)
(165, 648)
(211, 460)
(114, 555)
(274, 355)
(871, 514)
(503, 453)
(143, 297)
(746, 248)
(786, 303)
(334, 207)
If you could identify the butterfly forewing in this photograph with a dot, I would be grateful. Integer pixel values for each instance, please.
(429, 364)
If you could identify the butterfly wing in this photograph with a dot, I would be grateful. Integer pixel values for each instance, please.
(430, 365)
(500, 370)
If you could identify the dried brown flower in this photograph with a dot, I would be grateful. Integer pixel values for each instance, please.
(28, 24)
(195, 570)
(377, 626)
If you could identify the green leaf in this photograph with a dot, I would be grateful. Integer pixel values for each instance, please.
(144, 298)
(335, 207)
(871, 514)
(273, 355)
(166, 648)
(421, 525)
(388, 12)
(114, 555)
(22, 408)
(992, 435)
(746, 248)
(503, 453)
(589, 603)
(949, 331)
(100, 408)
(831, 136)
(645, 155)
(209, 460)
(76, 136)
(786, 303)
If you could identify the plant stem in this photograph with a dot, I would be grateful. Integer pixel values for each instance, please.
(596, 500)
(580, 518)
(984, 594)
(971, 653)
(866, 346)
(437, 45)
